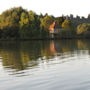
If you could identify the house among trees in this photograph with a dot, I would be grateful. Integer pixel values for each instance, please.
(55, 28)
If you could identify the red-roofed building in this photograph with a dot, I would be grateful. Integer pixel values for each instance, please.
(55, 28)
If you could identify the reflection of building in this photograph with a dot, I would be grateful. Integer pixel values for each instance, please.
(52, 47)
(55, 47)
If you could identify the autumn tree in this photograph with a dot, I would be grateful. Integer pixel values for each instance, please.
(46, 21)
(24, 25)
(68, 29)
(67, 25)
(84, 30)
(9, 22)
(59, 21)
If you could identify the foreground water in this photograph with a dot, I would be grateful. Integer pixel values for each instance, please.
(45, 65)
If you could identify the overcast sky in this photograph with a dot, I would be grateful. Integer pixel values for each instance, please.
(54, 7)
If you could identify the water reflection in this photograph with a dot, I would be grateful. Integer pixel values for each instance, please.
(21, 55)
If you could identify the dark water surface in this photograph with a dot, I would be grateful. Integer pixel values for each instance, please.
(45, 65)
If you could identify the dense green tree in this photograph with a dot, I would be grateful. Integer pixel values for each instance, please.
(29, 25)
(67, 25)
(34, 23)
(83, 29)
(24, 25)
(68, 29)
(46, 21)
(59, 21)
(44, 26)
(9, 22)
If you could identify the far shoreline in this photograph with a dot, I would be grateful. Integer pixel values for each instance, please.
(40, 39)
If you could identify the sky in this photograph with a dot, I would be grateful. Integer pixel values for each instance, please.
(52, 7)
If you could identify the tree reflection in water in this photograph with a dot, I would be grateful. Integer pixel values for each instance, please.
(21, 55)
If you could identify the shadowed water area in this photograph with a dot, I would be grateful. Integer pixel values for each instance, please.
(45, 65)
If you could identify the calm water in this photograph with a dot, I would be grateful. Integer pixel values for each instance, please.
(45, 65)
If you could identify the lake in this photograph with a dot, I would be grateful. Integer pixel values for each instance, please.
(45, 65)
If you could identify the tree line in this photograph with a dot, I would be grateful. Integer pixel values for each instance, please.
(18, 23)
